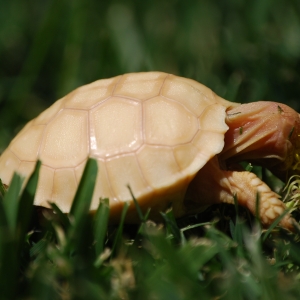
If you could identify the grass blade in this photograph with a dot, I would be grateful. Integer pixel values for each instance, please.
(79, 233)
(26, 200)
(11, 200)
(172, 228)
(102, 216)
(3, 190)
(3, 218)
(82, 201)
(118, 237)
(274, 224)
(137, 207)
(63, 218)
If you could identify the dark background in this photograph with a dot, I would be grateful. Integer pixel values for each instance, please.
(243, 50)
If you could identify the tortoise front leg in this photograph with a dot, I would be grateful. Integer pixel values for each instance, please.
(248, 188)
(213, 185)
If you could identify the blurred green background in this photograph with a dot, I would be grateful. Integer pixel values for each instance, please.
(243, 50)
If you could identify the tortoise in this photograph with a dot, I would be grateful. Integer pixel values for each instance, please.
(170, 138)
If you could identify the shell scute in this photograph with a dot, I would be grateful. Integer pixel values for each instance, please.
(212, 119)
(26, 147)
(167, 122)
(9, 163)
(65, 141)
(140, 86)
(207, 142)
(45, 186)
(64, 187)
(126, 171)
(92, 95)
(197, 87)
(160, 169)
(177, 88)
(103, 187)
(186, 162)
(115, 127)
(26, 168)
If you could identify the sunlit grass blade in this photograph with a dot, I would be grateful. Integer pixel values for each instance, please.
(118, 236)
(100, 227)
(190, 227)
(143, 218)
(82, 200)
(137, 207)
(62, 217)
(79, 231)
(83, 196)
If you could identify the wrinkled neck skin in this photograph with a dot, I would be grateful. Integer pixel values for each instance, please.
(263, 133)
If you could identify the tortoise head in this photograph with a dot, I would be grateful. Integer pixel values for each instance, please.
(264, 133)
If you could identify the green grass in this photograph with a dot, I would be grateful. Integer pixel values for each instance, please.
(243, 50)
(78, 256)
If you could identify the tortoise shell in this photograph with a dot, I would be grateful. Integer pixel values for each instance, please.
(152, 131)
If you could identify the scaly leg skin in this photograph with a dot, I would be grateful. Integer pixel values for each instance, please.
(213, 185)
(247, 186)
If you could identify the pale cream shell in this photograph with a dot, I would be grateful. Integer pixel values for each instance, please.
(150, 130)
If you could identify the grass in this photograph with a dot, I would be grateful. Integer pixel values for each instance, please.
(245, 51)
(79, 256)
